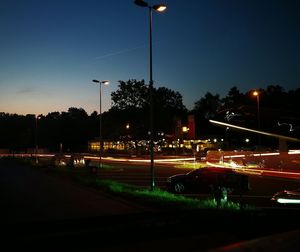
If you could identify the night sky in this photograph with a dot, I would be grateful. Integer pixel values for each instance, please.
(51, 50)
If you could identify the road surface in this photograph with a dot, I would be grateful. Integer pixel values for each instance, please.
(30, 195)
(51, 214)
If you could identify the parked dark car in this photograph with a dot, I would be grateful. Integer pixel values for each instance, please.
(207, 180)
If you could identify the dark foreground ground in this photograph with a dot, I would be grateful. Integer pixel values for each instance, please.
(137, 228)
(165, 231)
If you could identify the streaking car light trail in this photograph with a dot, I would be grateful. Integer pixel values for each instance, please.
(142, 160)
(255, 155)
(225, 165)
(287, 197)
(255, 171)
(290, 175)
(294, 152)
(255, 131)
(288, 201)
(290, 152)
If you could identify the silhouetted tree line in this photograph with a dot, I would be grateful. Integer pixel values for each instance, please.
(278, 112)
(72, 129)
(128, 117)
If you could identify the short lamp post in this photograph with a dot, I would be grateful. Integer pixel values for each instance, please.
(158, 8)
(103, 82)
(36, 139)
(256, 94)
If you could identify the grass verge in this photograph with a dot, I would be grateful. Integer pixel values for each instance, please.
(157, 197)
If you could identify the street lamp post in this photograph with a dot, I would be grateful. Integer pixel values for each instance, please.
(104, 82)
(256, 94)
(159, 8)
(36, 138)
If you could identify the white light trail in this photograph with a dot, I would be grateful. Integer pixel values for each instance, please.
(266, 154)
(293, 152)
(255, 131)
(141, 160)
(288, 201)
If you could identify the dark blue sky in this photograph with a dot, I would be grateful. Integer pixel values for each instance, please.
(50, 50)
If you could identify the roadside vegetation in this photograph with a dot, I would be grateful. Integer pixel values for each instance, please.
(157, 197)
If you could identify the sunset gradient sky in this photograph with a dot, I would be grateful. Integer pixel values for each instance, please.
(51, 50)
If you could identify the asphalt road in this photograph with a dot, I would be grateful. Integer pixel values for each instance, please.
(51, 213)
(30, 195)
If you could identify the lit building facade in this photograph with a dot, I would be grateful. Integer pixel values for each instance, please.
(159, 145)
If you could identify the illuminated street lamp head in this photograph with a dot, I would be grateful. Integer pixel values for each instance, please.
(255, 93)
(160, 7)
(105, 82)
(157, 7)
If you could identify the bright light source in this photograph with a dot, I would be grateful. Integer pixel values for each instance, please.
(160, 7)
(185, 129)
(288, 201)
(104, 82)
(255, 93)
(294, 152)
(254, 131)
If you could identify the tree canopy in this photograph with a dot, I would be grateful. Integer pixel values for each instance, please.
(130, 94)
(133, 99)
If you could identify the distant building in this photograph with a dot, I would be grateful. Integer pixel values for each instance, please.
(162, 145)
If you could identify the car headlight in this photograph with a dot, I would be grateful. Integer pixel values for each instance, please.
(169, 180)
